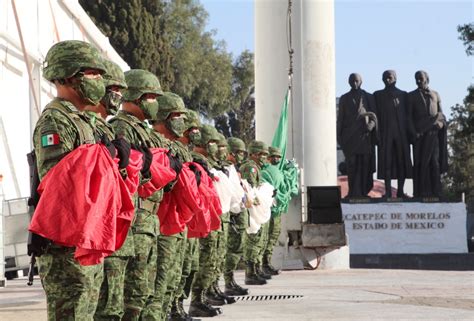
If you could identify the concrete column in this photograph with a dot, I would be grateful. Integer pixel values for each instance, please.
(319, 92)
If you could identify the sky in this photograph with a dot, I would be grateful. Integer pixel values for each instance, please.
(373, 36)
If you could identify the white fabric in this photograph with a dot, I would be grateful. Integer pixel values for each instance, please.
(224, 189)
(238, 192)
(260, 214)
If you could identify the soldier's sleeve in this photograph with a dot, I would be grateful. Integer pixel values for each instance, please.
(54, 137)
(123, 130)
(249, 172)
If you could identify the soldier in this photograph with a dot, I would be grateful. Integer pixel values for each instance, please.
(169, 122)
(238, 224)
(203, 279)
(250, 170)
(191, 137)
(140, 103)
(111, 301)
(75, 68)
(214, 293)
(273, 175)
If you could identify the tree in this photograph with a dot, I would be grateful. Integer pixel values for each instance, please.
(239, 121)
(169, 39)
(466, 34)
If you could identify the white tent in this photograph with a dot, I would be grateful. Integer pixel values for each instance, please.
(41, 23)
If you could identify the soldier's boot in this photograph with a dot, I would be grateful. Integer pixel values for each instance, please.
(232, 288)
(178, 313)
(199, 307)
(251, 277)
(268, 267)
(261, 273)
(217, 289)
(213, 298)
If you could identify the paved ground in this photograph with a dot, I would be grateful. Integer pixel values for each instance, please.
(327, 295)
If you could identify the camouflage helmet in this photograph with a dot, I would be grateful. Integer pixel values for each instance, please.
(66, 58)
(208, 133)
(274, 151)
(257, 146)
(192, 119)
(222, 141)
(169, 103)
(140, 82)
(114, 75)
(236, 144)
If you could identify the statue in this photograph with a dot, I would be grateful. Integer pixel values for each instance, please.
(356, 128)
(428, 128)
(394, 160)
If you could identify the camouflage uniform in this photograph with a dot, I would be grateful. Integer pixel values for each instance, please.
(171, 248)
(141, 268)
(238, 224)
(250, 171)
(71, 289)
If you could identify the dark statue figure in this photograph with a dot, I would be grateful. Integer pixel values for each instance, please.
(356, 134)
(394, 160)
(428, 129)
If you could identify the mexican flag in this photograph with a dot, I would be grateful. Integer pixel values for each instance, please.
(49, 140)
(280, 138)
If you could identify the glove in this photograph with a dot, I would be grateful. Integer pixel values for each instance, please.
(123, 151)
(370, 126)
(147, 158)
(110, 147)
(204, 165)
(197, 173)
(175, 163)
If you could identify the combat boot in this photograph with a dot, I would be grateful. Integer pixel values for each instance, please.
(199, 307)
(232, 288)
(217, 289)
(251, 277)
(213, 298)
(261, 273)
(268, 267)
(178, 313)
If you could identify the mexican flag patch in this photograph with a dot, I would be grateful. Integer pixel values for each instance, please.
(253, 170)
(49, 140)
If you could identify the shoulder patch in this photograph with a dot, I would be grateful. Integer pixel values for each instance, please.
(51, 139)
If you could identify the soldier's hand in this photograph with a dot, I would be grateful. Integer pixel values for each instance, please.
(110, 147)
(123, 151)
(175, 163)
(196, 172)
(147, 159)
(370, 126)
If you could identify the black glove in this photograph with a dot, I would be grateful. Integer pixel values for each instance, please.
(175, 163)
(123, 150)
(147, 158)
(110, 147)
(204, 165)
(197, 173)
(224, 170)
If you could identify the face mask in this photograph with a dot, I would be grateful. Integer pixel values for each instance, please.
(91, 89)
(275, 161)
(195, 137)
(112, 102)
(262, 159)
(212, 149)
(239, 157)
(149, 108)
(222, 153)
(176, 126)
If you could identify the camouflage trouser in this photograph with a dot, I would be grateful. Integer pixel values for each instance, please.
(140, 276)
(274, 230)
(252, 246)
(207, 263)
(72, 290)
(174, 277)
(221, 246)
(167, 255)
(235, 241)
(262, 243)
(190, 267)
(110, 306)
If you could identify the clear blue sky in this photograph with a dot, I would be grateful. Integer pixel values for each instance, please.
(372, 36)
